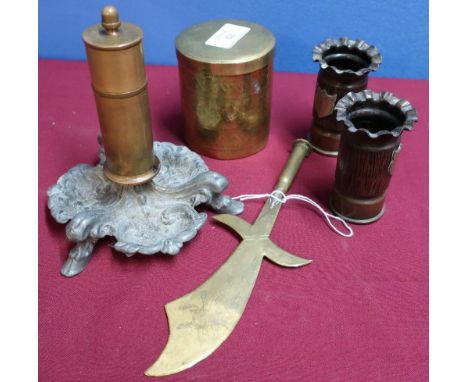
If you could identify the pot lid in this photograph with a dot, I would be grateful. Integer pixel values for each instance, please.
(225, 41)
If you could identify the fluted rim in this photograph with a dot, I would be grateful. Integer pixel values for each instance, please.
(370, 50)
(349, 100)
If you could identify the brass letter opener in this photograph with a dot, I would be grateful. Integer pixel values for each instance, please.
(200, 321)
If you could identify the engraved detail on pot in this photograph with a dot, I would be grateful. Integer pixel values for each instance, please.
(207, 90)
(395, 154)
(324, 103)
(226, 100)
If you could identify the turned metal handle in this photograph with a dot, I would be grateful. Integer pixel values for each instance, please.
(301, 150)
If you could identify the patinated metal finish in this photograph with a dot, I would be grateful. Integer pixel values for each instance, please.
(344, 67)
(370, 144)
(226, 92)
(200, 321)
(158, 216)
(115, 57)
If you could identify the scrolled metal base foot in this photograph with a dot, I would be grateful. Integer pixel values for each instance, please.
(78, 258)
(158, 216)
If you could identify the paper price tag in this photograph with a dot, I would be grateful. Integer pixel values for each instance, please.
(227, 36)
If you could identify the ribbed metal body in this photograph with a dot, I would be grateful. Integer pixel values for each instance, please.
(363, 172)
(369, 148)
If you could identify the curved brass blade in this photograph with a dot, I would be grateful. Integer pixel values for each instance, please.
(283, 258)
(200, 321)
(235, 223)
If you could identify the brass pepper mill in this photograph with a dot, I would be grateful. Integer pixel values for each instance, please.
(115, 57)
(344, 67)
(99, 201)
(370, 145)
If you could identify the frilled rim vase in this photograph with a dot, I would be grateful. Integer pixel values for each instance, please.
(344, 66)
(370, 145)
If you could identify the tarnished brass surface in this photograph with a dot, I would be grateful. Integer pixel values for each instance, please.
(200, 321)
(115, 57)
(301, 150)
(226, 93)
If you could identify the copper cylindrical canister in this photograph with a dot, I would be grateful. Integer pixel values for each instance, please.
(370, 144)
(225, 72)
(115, 57)
(344, 67)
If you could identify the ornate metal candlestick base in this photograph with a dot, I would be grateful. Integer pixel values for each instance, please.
(158, 216)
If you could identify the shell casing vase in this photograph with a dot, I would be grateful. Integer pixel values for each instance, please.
(369, 148)
(344, 67)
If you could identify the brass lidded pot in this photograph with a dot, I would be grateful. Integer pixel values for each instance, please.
(345, 65)
(115, 58)
(225, 72)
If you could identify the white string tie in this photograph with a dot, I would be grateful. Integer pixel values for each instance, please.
(281, 197)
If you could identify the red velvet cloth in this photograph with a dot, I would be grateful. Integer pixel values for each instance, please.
(359, 312)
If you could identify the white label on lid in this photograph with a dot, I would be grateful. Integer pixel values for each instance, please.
(227, 36)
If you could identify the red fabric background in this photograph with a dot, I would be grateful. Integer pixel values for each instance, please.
(358, 313)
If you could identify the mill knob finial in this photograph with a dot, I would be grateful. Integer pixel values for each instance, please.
(110, 18)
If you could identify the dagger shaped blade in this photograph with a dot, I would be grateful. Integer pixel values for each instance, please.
(200, 321)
